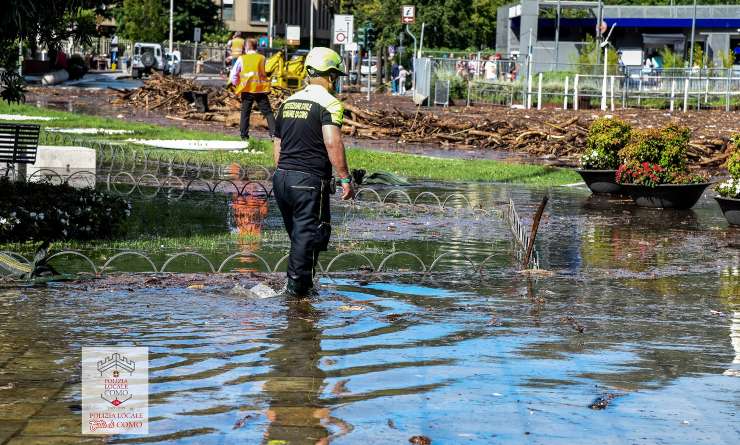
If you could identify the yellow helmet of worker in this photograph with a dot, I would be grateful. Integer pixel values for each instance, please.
(322, 60)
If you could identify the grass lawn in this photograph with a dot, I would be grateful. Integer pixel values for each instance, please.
(408, 165)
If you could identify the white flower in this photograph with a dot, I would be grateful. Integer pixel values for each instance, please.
(41, 216)
(33, 215)
(3, 221)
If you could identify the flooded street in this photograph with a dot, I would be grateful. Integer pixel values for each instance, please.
(639, 308)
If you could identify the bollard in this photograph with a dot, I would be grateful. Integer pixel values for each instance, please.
(686, 94)
(539, 91)
(673, 93)
(727, 91)
(565, 94)
(612, 92)
(575, 92)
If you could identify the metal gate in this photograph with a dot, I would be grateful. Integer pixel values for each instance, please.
(422, 79)
(442, 93)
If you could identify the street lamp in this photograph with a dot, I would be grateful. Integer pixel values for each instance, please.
(172, 2)
(693, 33)
(605, 44)
(272, 21)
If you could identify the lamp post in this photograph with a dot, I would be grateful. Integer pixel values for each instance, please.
(272, 22)
(557, 36)
(693, 34)
(311, 24)
(605, 45)
(172, 2)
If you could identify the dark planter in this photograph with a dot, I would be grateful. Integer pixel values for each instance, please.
(601, 181)
(666, 196)
(731, 209)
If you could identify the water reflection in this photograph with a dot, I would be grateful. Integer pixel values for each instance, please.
(295, 382)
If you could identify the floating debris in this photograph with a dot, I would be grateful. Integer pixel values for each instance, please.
(603, 401)
(573, 323)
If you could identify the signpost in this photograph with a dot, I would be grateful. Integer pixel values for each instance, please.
(408, 14)
(196, 39)
(293, 35)
(343, 29)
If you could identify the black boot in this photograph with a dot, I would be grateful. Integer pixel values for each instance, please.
(296, 289)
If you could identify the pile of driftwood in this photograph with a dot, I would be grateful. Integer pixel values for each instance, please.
(463, 132)
(561, 140)
(553, 136)
(174, 96)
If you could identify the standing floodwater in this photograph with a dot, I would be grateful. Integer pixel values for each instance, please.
(637, 317)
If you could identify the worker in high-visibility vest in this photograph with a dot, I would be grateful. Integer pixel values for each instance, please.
(252, 85)
(236, 47)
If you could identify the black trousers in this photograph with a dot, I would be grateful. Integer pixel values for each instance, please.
(303, 200)
(264, 105)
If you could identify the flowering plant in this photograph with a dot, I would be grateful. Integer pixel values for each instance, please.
(657, 156)
(606, 136)
(730, 188)
(643, 174)
(39, 211)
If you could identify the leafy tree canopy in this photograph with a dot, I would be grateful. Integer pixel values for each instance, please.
(148, 20)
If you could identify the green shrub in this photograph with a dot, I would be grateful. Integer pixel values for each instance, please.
(44, 212)
(733, 162)
(665, 147)
(675, 144)
(606, 137)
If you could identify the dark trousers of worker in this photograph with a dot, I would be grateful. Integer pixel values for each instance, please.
(303, 200)
(263, 102)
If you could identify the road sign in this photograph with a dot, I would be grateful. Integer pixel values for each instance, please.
(344, 25)
(264, 42)
(196, 35)
(408, 14)
(293, 35)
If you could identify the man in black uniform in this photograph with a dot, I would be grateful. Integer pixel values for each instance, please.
(308, 143)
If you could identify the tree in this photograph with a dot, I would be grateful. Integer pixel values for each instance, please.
(191, 14)
(48, 22)
(148, 20)
(449, 23)
(143, 20)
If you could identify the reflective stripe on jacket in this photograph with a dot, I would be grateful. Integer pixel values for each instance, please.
(252, 77)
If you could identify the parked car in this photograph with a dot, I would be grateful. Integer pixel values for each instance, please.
(149, 57)
(373, 66)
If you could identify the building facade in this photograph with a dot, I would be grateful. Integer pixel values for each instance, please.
(640, 32)
(253, 17)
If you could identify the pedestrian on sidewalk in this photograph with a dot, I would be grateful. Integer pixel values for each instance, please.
(308, 143)
(114, 52)
(394, 78)
(402, 75)
(252, 85)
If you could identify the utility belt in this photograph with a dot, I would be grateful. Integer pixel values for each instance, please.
(327, 184)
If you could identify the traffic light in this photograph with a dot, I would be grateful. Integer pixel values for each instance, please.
(370, 35)
(361, 36)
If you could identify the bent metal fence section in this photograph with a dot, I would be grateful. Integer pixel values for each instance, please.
(340, 264)
(351, 261)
